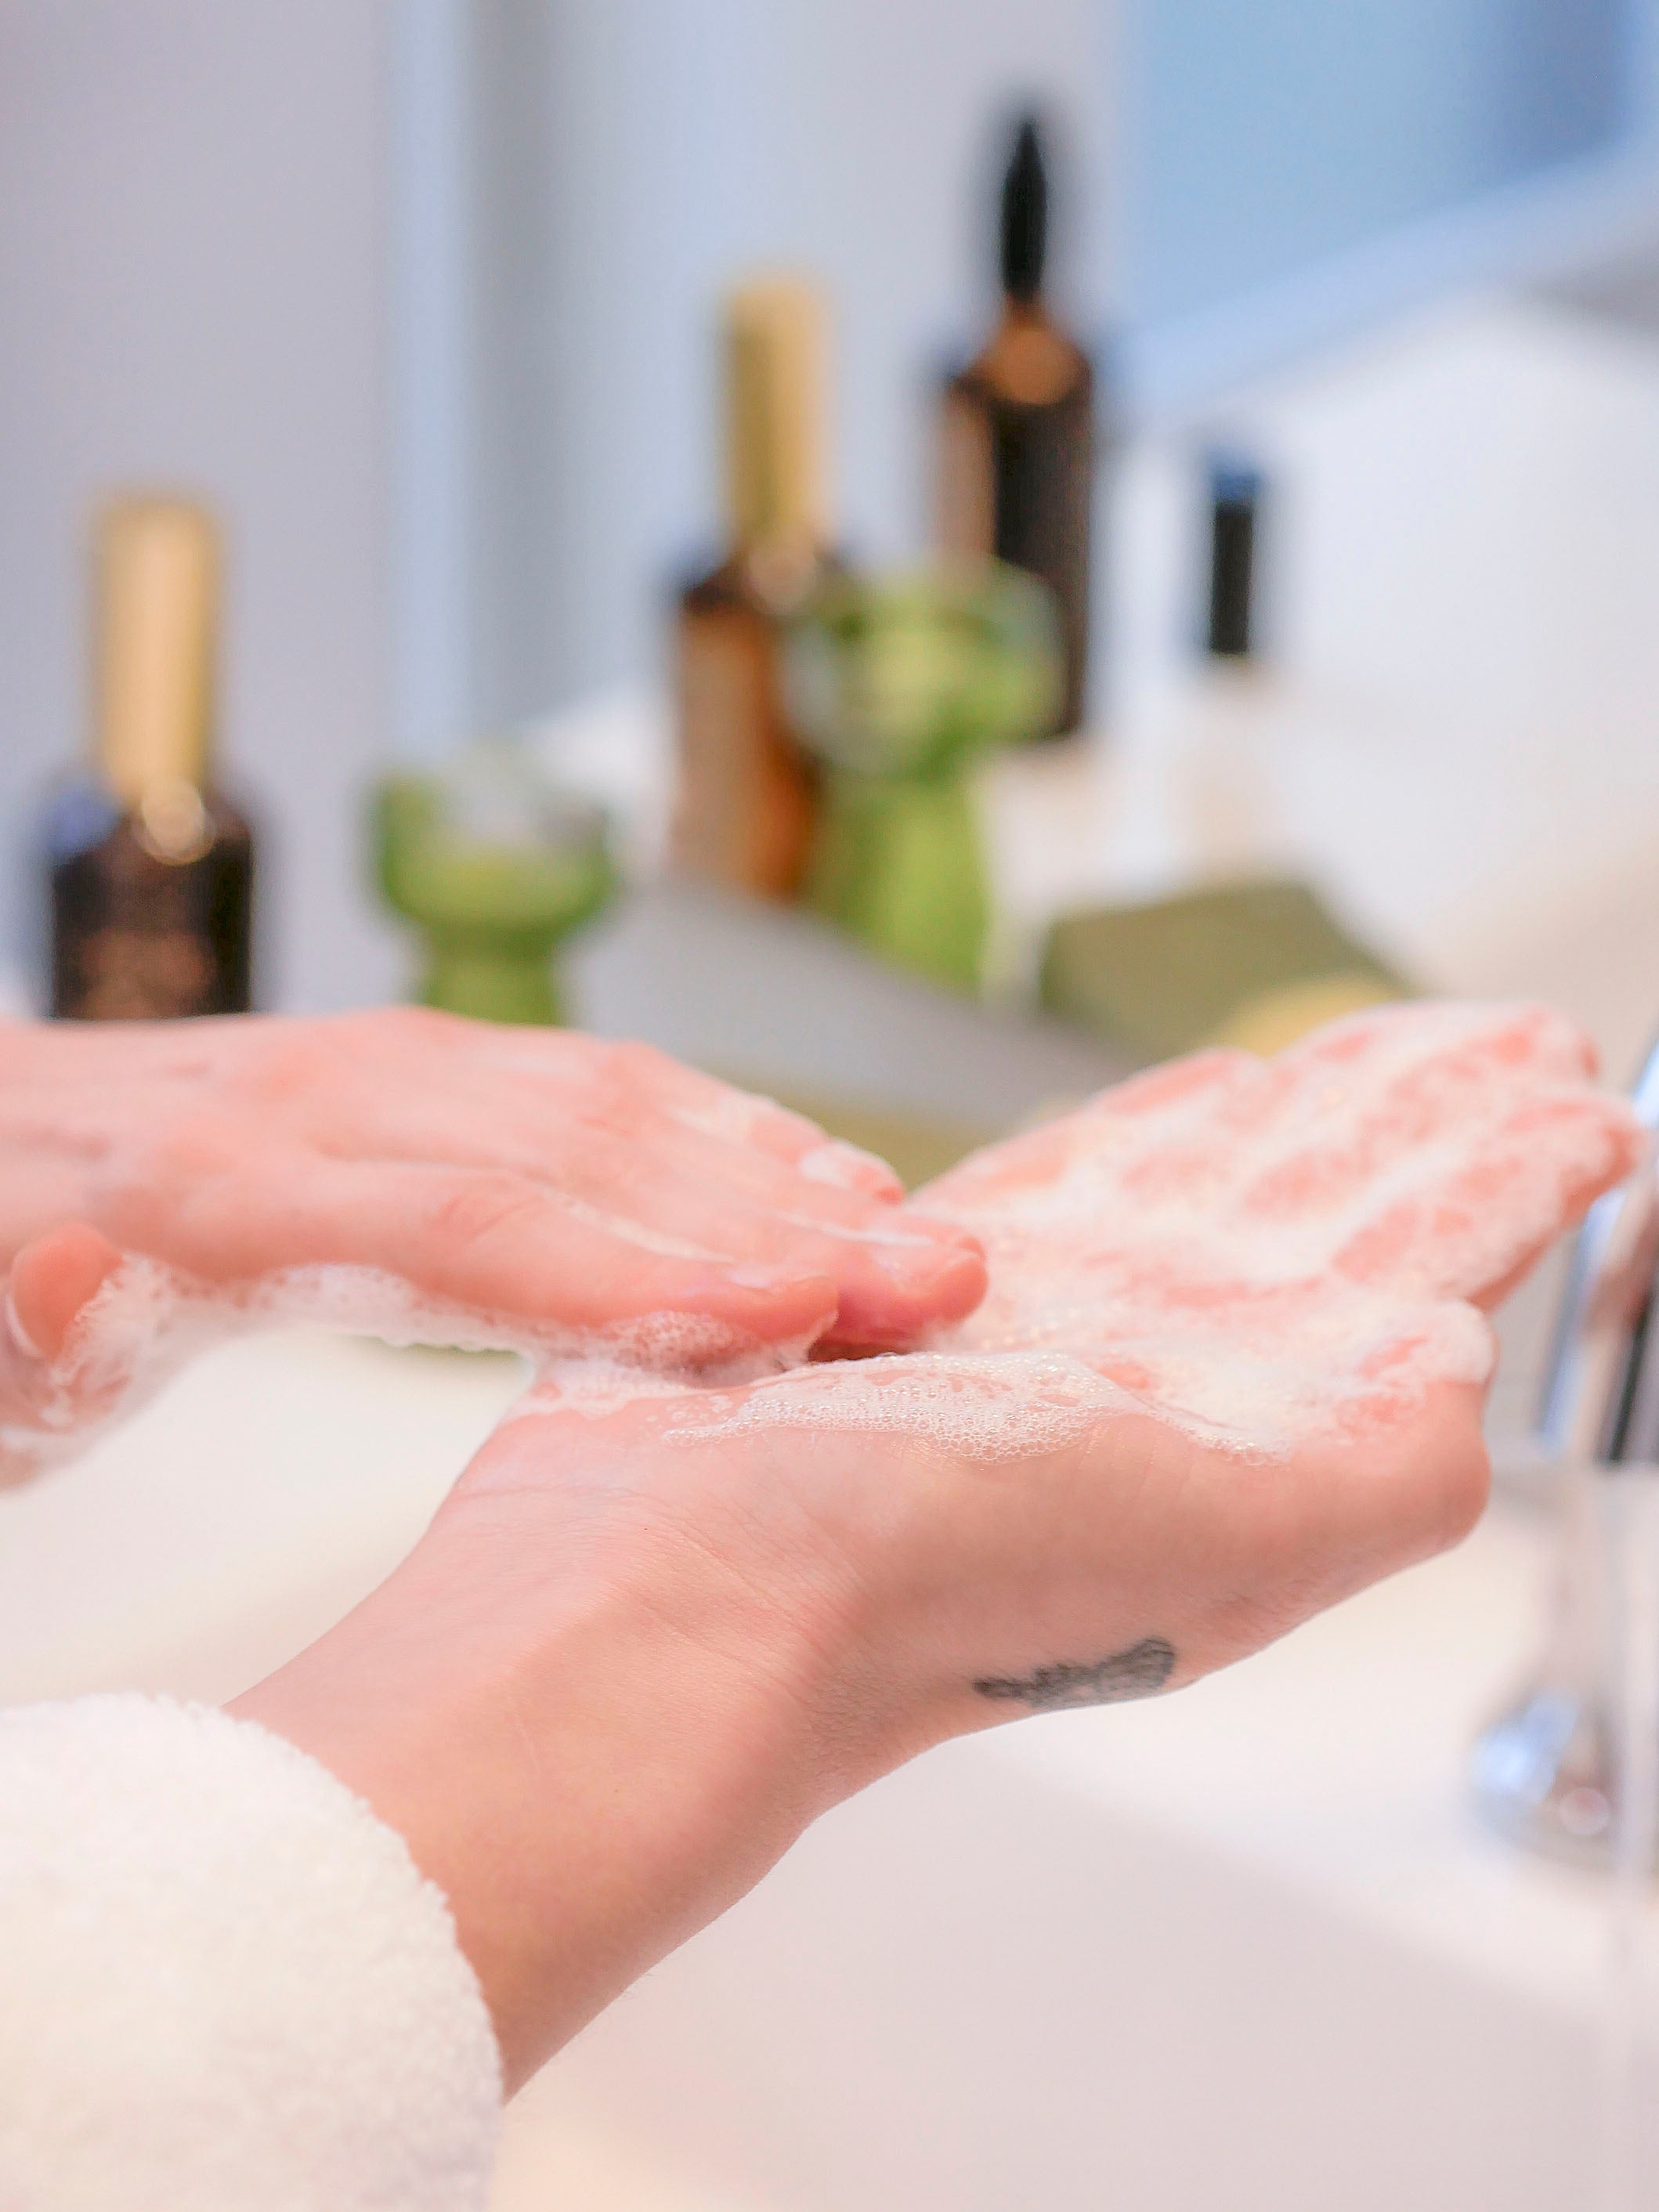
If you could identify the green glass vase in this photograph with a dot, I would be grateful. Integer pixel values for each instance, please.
(495, 867)
(901, 685)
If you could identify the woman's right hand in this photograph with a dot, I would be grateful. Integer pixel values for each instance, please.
(649, 1637)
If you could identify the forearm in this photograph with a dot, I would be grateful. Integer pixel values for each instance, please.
(592, 1751)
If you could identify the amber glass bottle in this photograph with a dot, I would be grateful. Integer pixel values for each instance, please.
(747, 793)
(1016, 469)
(151, 866)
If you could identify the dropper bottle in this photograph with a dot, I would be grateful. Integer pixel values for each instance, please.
(1016, 432)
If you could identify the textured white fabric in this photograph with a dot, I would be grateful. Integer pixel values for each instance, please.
(224, 1986)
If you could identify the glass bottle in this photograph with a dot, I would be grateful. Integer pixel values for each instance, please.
(1017, 436)
(150, 867)
(747, 793)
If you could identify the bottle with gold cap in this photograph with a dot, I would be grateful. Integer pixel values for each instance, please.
(151, 866)
(747, 791)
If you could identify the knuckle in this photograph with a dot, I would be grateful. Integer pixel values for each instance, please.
(634, 1064)
(187, 1153)
(286, 1064)
(483, 1207)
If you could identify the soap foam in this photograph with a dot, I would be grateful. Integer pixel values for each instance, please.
(147, 1322)
(994, 1406)
(1253, 1251)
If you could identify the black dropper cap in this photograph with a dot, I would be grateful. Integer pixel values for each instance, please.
(1234, 503)
(1024, 214)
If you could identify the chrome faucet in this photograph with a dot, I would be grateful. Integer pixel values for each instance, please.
(1545, 1771)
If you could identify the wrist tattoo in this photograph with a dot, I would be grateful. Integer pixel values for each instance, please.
(1138, 1672)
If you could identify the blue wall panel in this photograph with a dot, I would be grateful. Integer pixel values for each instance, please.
(1267, 134)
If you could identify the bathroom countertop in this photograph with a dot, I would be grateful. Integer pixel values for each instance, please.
(1241, 1883)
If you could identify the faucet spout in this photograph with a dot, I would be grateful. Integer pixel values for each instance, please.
(1600, 1399)
(1546, 1770)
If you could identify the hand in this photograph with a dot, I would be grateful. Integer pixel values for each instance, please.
(463, 1182)
(650, 1636)
(1260, 1247)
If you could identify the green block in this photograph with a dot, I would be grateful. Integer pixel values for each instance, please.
(1177, 973)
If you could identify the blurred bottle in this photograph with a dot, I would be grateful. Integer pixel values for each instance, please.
(1233, 710)
(1235, 501)
(1016, 461)
(495, 865)
(151, 866)
(747, 793)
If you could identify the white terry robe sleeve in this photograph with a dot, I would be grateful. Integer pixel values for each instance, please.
(224, 1985)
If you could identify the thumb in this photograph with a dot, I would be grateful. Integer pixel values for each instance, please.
(57, 1372)
(52, 1280)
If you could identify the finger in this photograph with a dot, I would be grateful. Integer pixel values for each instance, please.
(497, 1249)
(667, 1187)
(1402, 1075)
(1472, 1219)
(52, 1280)
(1519, 1036)
(582, 1115)
(1150, 1115)
(52, 1381)
(630, 1075)
(630, 1157)
(748, 1118)
(1397, 1093)
(1407, 1477)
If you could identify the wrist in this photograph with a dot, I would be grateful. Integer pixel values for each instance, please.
(593, 1738)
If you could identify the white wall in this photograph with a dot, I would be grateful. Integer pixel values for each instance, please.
(419, 292)
(191, 282)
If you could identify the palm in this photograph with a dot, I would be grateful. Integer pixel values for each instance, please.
(1230, 1367)
(1261, 1247)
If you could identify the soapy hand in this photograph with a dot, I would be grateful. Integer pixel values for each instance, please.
(1252, 1250)
(1233, 1350)
(422, 1177)
(1258, 1249)
(1230, 1369)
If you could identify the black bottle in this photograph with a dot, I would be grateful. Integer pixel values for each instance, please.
(1017, 431)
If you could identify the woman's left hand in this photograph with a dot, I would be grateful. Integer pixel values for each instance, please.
(423, 1173)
